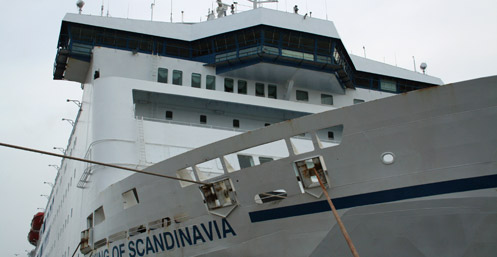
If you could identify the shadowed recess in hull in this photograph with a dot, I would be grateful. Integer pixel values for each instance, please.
(446, 187)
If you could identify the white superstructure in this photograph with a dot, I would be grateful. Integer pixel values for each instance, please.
(169, 96)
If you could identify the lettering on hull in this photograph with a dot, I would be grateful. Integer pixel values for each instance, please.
(170, 240)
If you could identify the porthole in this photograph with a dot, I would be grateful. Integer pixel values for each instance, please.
(387, 158)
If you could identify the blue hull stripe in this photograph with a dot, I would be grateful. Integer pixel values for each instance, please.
(452, 186)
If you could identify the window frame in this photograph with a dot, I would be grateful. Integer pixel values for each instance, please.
(175, 80)
(199, 76)
(302, 92)
(210, 85)
(159, 76)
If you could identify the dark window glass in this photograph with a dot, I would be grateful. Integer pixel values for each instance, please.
(266, 124)
(177, 48)
(242, 87)
(331, 135)
(307, 44)
(162, 75)
(169, 115)
(362, 82)
(202, 47)
(264, 159)
(230, 41)
(196, 80)
(324, 46)
(236, 123)
(229, 85)
(220, 43)
(259, 89)
(177, 77)
(302, 96)
(245, 161)
(271, 91)
(210, 82)
(271, 36)
(203, 119)
(358, 101)
(326, 99)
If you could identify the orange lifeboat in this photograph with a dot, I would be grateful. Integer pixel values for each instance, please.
(34, 232)
(33, 237)
(37, 221)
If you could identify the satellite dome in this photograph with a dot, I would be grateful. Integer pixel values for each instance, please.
(80, 4)
(423, 66)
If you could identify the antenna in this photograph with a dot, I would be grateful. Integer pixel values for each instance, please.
(171, 11)
(364, 48)
(423, 67)
(414, 60)
(326, 8)
(80, 4)
(152, 11)
(102, 9)
(108, 7)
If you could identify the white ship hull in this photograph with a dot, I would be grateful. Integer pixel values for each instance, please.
(438, 198)
(251, 109)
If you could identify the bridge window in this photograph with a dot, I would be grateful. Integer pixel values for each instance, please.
(162, 75)
(203, 119)
(196, 80)
(242, 87)
(177, 77)
(229, 85)
(326, 99)
(271, 91)
(259, 89)
(302, 96)
(388, 85)
(236, 123)
(271, 36)
(210, 82)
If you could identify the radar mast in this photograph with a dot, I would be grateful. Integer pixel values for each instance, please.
(257, 3)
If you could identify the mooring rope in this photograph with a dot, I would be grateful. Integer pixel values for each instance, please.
(101, 163)
(76, 249)
(339, 220)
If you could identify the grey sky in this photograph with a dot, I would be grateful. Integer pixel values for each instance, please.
(457, 39)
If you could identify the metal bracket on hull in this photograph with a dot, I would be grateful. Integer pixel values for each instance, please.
(306, 170)
(219, 197)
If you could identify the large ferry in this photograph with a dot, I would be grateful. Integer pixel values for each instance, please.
(252, 112)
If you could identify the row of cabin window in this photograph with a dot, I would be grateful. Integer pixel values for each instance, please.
(210, 83)
(203, 119)
(236, 123)
(301, 95)
(229, 86)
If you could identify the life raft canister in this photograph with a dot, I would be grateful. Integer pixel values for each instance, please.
(37, 221)
(34, 232)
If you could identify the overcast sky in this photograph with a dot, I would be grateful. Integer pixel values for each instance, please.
(457, 39)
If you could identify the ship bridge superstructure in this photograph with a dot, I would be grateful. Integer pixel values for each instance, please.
(262, 45)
